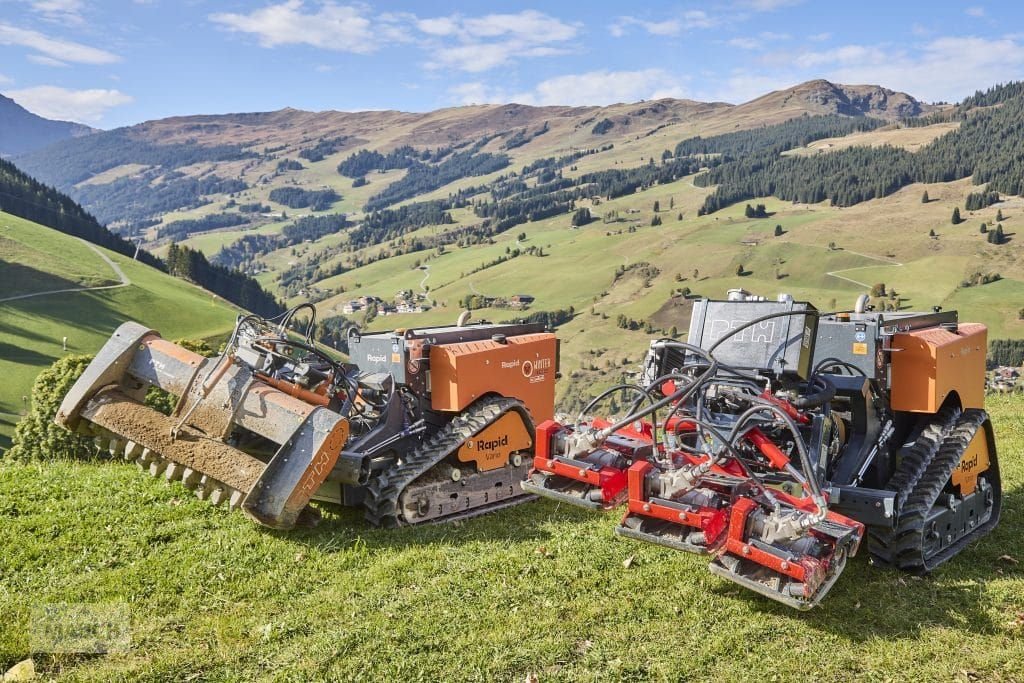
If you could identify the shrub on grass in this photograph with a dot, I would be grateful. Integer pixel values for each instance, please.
(36, 436)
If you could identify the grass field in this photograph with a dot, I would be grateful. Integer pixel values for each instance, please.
(27, 264)
(540, 589)
(31, 330)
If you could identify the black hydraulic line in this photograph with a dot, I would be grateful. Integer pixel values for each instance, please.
(820, 398)
(607, 392)
(836, 362)
(681, 394)
(805, 460)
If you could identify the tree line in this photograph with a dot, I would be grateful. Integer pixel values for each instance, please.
(300, 198)
(236, 287)
(849, 176)
(23, 196)
(247, 248)
(135, 198)
(422, 178)
(27, 198)
(177, 230)
(324, 147)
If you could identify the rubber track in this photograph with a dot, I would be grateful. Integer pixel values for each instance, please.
(383, 491)
(915, 459)
(903, 547)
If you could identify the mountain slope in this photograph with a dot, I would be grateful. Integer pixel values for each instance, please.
(38, 259)
(182, 167)
(22, 131)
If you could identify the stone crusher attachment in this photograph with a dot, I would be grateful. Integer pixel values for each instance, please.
(425, 425)
(220, 398)
(778, 439)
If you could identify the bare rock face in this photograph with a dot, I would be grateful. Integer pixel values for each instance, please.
(824, 97)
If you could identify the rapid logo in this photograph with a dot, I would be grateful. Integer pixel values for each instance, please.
(490, 445)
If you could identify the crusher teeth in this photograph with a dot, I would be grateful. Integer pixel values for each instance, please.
(205, 487)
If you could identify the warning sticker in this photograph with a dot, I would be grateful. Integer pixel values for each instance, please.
(860, 349)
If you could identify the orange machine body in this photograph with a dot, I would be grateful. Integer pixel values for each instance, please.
(521, 367)
(930, 364)
(493, 447)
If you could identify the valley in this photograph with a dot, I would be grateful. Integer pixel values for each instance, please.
(306, 232)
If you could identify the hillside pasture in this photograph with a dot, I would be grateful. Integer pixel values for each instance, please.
(539, 590)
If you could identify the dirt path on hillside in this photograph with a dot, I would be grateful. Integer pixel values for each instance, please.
(124, 281)
(887, 262)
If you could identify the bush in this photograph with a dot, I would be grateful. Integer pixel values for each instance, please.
(37, 436)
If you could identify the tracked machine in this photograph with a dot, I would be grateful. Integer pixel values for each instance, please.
(424, 425)
(779, 440)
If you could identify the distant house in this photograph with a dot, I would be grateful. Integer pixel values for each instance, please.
(520, 301)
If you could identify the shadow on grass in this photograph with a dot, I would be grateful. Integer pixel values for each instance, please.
(17, 331)
(86, 310)
(340, 527)
(870, 602)
(24, 279)
(20, 354)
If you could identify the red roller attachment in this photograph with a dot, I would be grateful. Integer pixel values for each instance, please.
(594, 479)
(660, 511)
(776, 555)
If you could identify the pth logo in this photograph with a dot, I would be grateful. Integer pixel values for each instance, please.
(527, 368)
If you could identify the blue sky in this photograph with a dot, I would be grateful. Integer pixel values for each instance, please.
(109, 64)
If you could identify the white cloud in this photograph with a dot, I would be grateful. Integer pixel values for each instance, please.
(767, 5)
(84, 106)
(60, 11)
(56, 48)
(745, 43)
(466, 43)
(477, 44)
(591, 88)
(45, 61)
(913, 70)
(819, 37)
(343, 28)
(846, 54)
(477, 93)
(5, 80)
(742, 86)
(438, 26)
(672, 26)
(975, 11)
(958, 59)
